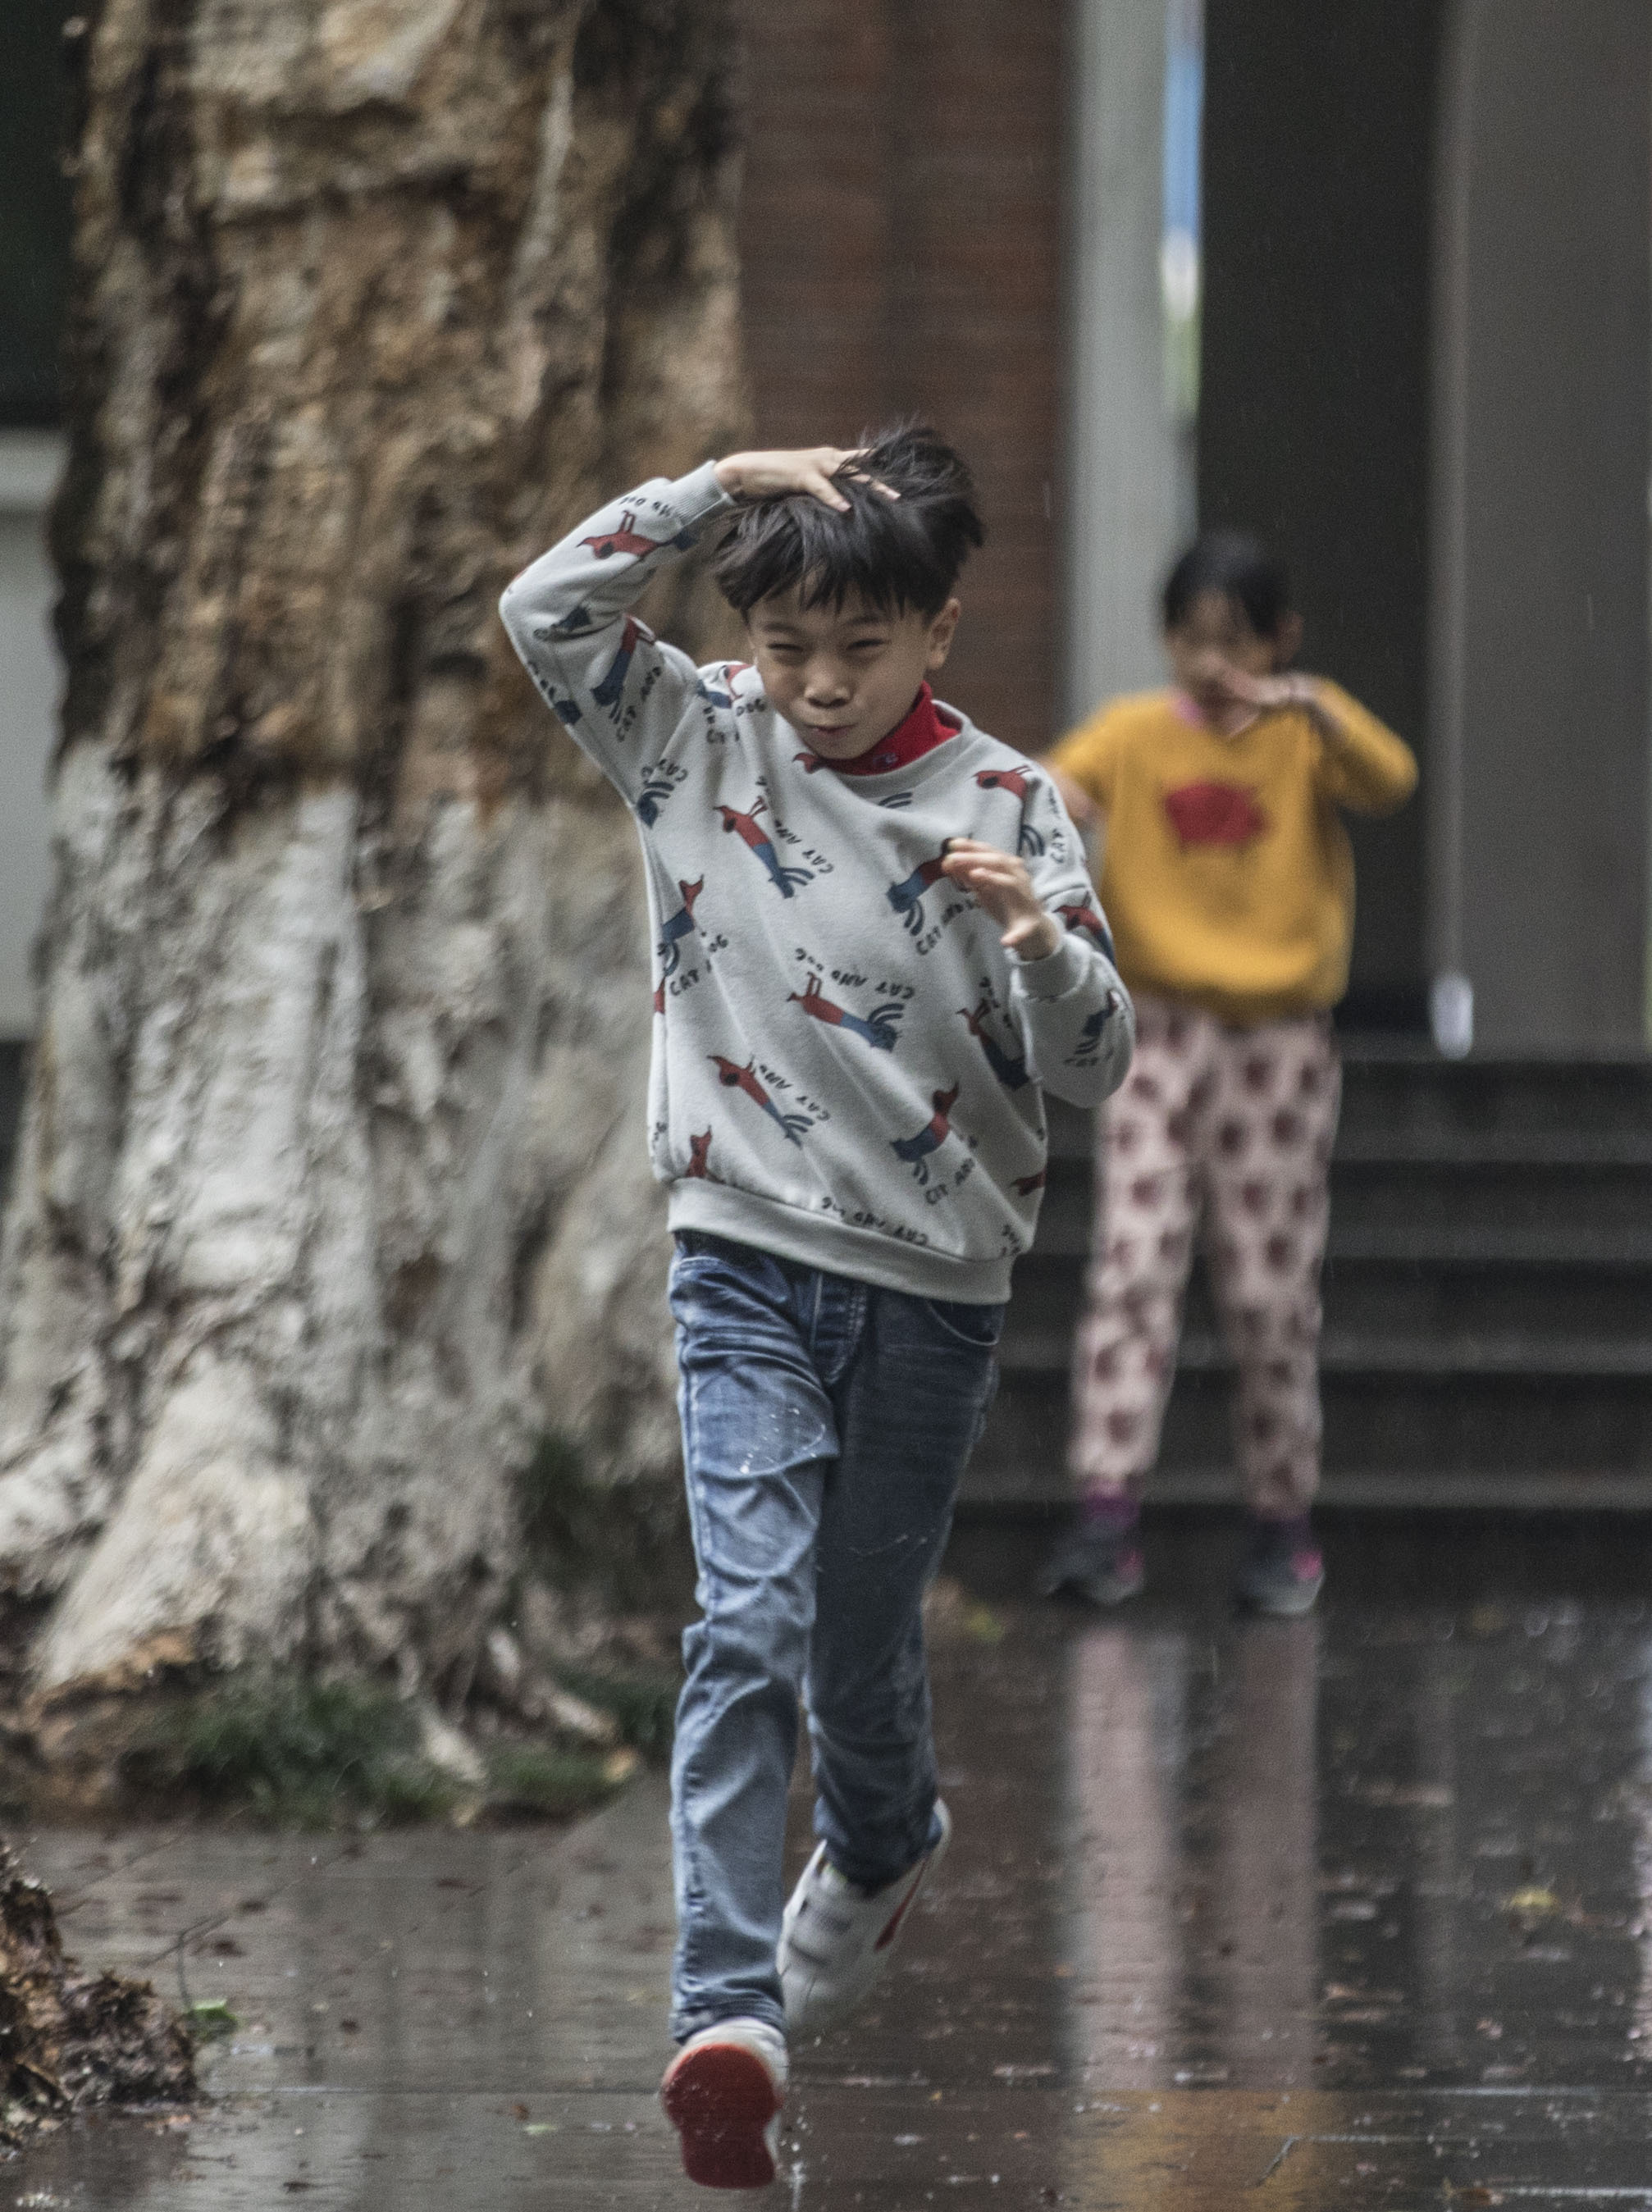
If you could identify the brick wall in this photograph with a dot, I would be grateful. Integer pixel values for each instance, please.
(902, 253)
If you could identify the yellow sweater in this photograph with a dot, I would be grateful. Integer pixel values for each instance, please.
(1227, 876)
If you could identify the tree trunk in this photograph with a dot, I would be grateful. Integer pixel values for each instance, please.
(332, 1189)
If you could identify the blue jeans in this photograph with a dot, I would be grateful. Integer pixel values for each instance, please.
(825, 1426)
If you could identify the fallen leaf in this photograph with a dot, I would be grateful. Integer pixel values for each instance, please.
(1532, 1900)
(209, 2017)
(519, 2112)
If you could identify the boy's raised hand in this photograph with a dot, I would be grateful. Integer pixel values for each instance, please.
(998, 882)
(779, 475)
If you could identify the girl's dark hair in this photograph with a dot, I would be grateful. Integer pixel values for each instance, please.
(893, 554)
(1238, 566)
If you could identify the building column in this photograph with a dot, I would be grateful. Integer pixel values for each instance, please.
(1125, 457)
(1539, 675)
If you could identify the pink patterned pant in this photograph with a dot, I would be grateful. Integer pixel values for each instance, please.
(1235, 1125)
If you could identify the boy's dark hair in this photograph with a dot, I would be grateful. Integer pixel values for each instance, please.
(1238, 566)
(895, 555)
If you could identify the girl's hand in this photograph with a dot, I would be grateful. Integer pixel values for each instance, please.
(1076, 801)
(1279, 694)
(1268, 694)
(998, 882)
(778, 476)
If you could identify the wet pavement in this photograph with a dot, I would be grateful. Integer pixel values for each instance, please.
(1355, 1911)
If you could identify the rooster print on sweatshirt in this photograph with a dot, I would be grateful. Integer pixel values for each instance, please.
(848, 1069)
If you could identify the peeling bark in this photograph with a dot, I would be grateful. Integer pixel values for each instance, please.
(331, 1190)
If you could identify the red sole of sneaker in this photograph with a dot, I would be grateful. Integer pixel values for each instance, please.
(720, 2097)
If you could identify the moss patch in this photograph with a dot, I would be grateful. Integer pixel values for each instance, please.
(537, 1779)
(290, 1751)
(643, 1706)
(626, 1544)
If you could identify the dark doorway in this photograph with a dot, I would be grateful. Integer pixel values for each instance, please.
(33, 211)
(1318, 132)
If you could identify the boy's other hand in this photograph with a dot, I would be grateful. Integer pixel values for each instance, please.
(998, 882)
(779, 474)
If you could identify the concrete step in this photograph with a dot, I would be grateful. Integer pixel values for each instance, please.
(1537, 1431)
(1048, 1353)
(1612, 1236)
(1431, 1102)
(1577, 1198)
(1397, 1296)
(1386, 1489)
(1441, 1200)
(1422, 1107)
(1071, 1142)
(1538, 1150)
(1488, 1299)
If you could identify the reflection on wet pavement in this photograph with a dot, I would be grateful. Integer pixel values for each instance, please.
(1347, 1911)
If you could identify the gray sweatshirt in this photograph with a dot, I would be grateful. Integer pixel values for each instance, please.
(849, 1068)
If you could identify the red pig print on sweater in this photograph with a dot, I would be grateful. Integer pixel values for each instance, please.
(1212, 813)
(848, 1067)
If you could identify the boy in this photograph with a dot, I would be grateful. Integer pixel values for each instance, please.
(1230, 881)
(877, 947)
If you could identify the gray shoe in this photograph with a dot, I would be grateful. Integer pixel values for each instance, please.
(1285, 1573)
(1103, 1566)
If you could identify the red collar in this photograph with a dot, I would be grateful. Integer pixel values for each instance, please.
(924, 728)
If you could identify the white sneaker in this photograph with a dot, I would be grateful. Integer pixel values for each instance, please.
(835, 1939)
(723, 2094)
